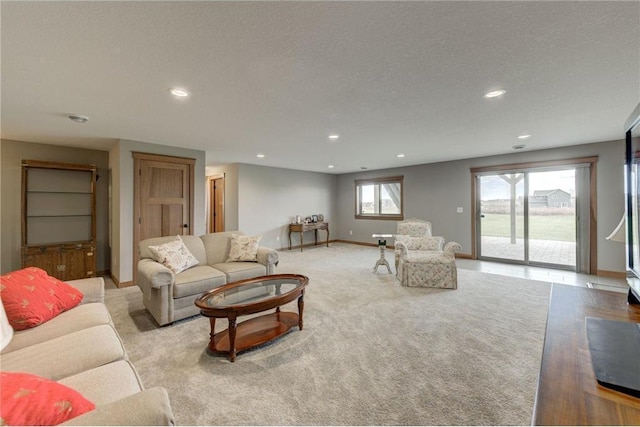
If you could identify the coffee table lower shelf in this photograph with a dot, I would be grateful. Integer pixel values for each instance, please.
(253, 332)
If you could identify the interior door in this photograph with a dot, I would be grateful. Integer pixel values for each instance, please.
(163, 197)
(216, 207)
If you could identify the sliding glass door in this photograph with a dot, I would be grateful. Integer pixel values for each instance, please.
(528, 216)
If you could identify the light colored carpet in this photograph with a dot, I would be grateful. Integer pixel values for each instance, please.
(371, 353)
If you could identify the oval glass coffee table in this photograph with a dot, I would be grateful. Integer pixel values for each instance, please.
(248, 297)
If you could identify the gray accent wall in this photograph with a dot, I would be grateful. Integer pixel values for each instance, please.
(12, 154)
(270, 198)
(433, 192)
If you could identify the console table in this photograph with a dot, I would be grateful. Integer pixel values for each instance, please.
(568, 393)
(301, 228)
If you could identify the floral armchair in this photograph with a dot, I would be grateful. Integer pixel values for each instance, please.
(428, 268)
(410, 233)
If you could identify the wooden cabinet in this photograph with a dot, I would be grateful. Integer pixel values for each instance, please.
(59, 218)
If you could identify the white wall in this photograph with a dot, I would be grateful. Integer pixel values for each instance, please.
(434, 191)
(13, 152)
(269, 199)
(121, 161)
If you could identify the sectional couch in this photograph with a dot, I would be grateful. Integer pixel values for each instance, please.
(80, 348)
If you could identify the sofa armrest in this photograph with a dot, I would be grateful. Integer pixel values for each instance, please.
(149, 407)
(92, 288)
(451, 248)
(152, 274)
(268, 256)
(401, 249)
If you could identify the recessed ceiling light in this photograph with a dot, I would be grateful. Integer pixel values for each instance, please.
(400, 155)
(180, 93)
(78, 119)
(518, 146)
(334, 136)
(331, 166)
(261, 156)
(495, 93)
(524, 136)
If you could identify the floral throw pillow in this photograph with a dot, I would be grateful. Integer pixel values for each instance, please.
(28, 400)
(244, 248)
(174, 255)
(31, 297)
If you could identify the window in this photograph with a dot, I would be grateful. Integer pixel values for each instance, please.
(379, 198)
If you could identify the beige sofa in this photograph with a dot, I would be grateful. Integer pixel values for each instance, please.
(81, 349)
(170, 297)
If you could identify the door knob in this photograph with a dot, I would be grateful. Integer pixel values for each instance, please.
(185, 226)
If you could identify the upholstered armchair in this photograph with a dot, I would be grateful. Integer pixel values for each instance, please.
(410, 228)
(428, 268)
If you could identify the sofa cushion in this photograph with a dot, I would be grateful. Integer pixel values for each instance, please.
(117, 380)
(197, 280)
(217, 245)
(81, 317)
(241, 270)
(174, 255)
(30, 400)
(31, 297)
(244, 248)
(67, 355)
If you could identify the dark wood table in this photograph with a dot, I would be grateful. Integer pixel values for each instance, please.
(568, 393)
(247, 297)
(301, 228)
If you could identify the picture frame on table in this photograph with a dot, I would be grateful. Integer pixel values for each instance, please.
(314, 218)
(320, 218)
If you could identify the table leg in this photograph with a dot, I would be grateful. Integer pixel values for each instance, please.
(327, 236)
(316, 236)
(289, 238)
(212, 344)
(300, 309)
(232, 337)
(301, 242)
(382, 244)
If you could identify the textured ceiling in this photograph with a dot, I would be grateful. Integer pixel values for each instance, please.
(278, 77)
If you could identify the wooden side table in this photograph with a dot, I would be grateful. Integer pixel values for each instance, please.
(301, 228)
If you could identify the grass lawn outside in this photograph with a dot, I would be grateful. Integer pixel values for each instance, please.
(541, 227)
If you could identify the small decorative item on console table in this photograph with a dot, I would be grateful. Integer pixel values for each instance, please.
(248, 297)
(301, 228)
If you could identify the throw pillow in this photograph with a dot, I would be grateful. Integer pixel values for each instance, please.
(29, 400)
(244, 248)
(174, 255)
(31, 297)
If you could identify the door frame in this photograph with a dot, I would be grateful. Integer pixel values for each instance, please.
(593, 199)
(211, 200)
(137, 208)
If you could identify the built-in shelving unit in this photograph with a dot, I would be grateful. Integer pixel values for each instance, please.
(59, 218)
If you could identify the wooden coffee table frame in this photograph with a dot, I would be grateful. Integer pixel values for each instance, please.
(258, 330)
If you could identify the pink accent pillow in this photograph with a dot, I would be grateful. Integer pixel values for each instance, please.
(31, 297)
(29, 400)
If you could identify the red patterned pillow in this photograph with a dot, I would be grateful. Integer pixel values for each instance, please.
(29, 400)
(31, 297)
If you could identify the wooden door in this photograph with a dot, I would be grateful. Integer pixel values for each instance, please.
(163, 197)
(216, 205)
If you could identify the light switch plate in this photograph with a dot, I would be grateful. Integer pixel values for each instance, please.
(459, 209)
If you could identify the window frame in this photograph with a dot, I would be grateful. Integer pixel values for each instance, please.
(358, 183)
